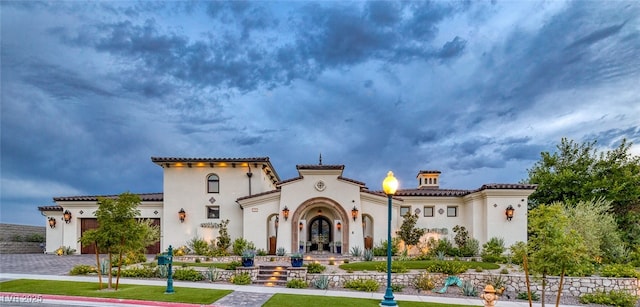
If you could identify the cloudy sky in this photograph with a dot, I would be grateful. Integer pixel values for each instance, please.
(476, 89)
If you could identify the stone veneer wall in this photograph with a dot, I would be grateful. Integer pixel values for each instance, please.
(573, 286)
(9, 231)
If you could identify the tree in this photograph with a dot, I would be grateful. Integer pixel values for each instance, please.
(553, 246)
(593, 221)
(578, 172)
(118, 230)
(408, 231)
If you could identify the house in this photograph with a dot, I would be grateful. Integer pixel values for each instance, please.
(316, 211)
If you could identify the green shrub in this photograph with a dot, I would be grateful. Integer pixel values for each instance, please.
(446, 267)
(395, 267)
(261, 252)
(367, 285)
(478, 269)
(35, 237)
(233, 265)
(240, 245)
(198, 260)
(143, 272)
(471, 248)
(241, 279)
(582, 269)
(397, 287)
(525, 296)
(132, 257)
(518, 251)
(381, 249)
(187, 274)
(82, 269)
(619, 270)
(315, 268)
(281, 251)
(492, 250)
(613, 298)
(424, 282)
(504, 271)
(199, 246)
(297, 284)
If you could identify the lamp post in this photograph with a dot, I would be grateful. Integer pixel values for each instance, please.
(389, 185)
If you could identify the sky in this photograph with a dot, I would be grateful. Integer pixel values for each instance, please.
(90, 91)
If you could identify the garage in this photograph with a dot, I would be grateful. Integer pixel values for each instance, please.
(92, 223)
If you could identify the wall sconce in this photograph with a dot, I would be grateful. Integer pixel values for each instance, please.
(52, 222)
(354, 213)
(66, 216)
(509, 212)
(285, 213)
(277, 223)
(339, 226)
(300, 226)
(182, 215)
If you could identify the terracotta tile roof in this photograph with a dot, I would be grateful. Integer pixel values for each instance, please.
(319, 167)
(360, 183)
(50, 208)
(143, 197)
(258, 195)
(507, 186)
(288, 180)
(432, 192)
(178, 159)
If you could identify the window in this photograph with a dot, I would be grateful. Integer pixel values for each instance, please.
(404, 210)
(213, 212)
(428, 211)
(213, 184)
(452, 211)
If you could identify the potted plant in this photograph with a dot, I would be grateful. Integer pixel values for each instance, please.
(247, 257)
(338, 246)
(296, 260)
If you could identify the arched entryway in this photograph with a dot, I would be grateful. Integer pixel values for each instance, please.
(320, 209)
(319, 233)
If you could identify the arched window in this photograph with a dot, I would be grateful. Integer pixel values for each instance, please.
(213, 184)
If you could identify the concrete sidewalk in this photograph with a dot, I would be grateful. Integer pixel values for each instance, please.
(242, 293)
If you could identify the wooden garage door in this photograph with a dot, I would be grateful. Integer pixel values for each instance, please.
(91, 223)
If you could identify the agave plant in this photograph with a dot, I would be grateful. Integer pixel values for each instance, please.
(367, 255)
(356, 251)
(322, 282)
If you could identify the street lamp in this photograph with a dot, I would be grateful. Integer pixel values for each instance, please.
(389, 186)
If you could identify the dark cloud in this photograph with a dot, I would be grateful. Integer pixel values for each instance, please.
(452, 48)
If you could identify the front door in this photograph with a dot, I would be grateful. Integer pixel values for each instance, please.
(320, 234)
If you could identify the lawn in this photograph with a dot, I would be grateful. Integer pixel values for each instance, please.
(286, 300)
(412, 265)
(90, 289)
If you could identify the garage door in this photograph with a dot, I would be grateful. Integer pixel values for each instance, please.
(91, 223)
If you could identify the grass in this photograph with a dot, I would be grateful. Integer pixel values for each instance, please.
(412, 265)
(137, 292)
(292, 300)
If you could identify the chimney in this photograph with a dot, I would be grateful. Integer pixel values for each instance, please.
(429, 179)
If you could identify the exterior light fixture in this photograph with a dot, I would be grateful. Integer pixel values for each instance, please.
(339, 226)
(52, 222)
(182, 215)
(277, 223)
(66, 216)
(509, 212)
(300, 226)
(354, 213)
(285, 213)
(389, 185)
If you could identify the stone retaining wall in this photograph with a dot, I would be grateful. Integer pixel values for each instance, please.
(573, 286)
(12, 238)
